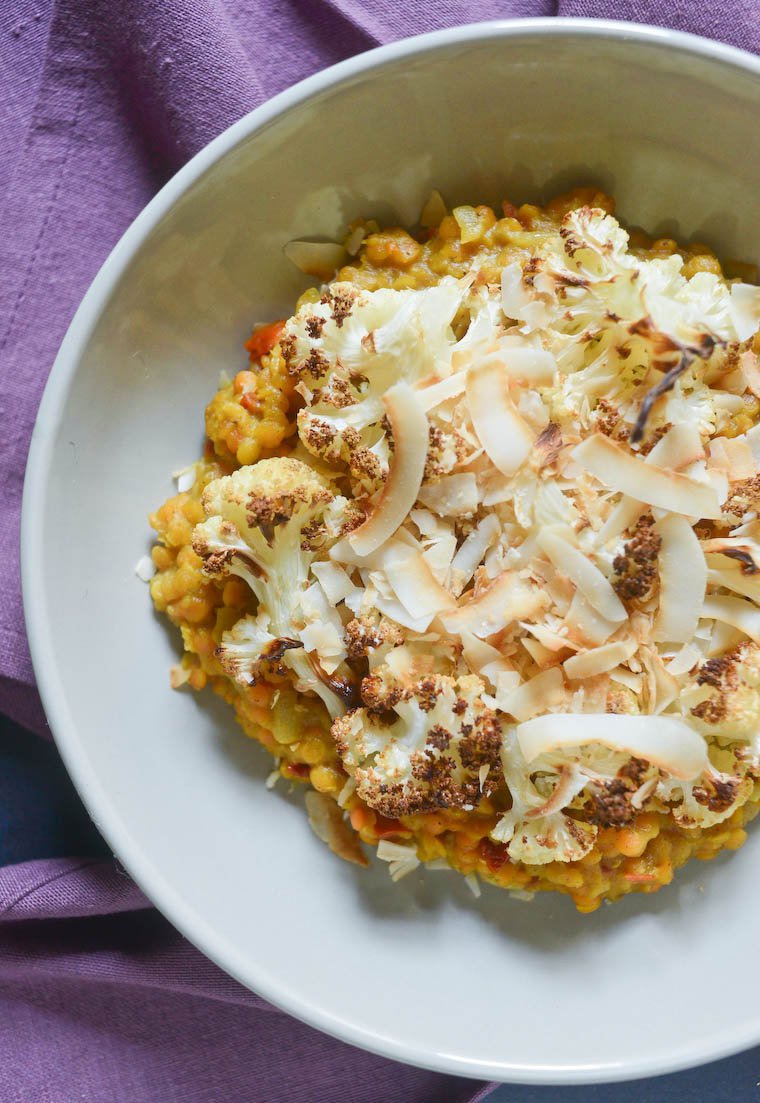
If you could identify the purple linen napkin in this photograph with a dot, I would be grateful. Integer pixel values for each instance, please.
(101, 101)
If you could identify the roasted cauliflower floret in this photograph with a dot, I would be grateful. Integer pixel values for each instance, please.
(535, 828)
(266, 524)
(732, 709)
(349, 348)
(430, 745)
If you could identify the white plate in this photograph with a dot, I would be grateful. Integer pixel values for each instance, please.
(420, 971)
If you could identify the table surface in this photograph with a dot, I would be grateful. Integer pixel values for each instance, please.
(41, 816)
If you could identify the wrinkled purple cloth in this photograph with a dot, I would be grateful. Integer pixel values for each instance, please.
(100, 102)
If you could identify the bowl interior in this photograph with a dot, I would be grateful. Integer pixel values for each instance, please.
(420, 971)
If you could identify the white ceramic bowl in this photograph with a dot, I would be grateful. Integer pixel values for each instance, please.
(421, 971)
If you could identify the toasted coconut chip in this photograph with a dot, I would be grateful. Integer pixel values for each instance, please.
(745, 552)
(471, 553)
(751, 371)
(555, 544)
(416, 588)
(178, 676)
(508, 599)
(624, 515)
(733, 579)
(680, 446)
(745, 309)
(622, 471)
(599, 660)
(388, 851)
(505, 436)
(723, 638)
(585, 625)
(434, 393)
(185, 478)
(477, 653)
(533, 367)
(327, 822)
(452, 496)
(473, 884)
(145, 568)
(316, 258)
(409, 429)
(741, 462)
(684, 660)
(743, 615)
(666, 741)
(683, 580)
(542, 691)
(634, 682)
(334, 581)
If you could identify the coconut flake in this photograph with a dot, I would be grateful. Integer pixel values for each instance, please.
(541, 692)
(744, 307)
(334, 581)
(599, 659)
(533, 367)
(669, 490)
(582, 573)
(471, 553)
(416, 588)
(681, 446)
(435, 393)
(178, 676)
(452, 496)
(145, 568)
(473, 884)
(409, 429)
(505, 436)
(683, 580)
(684, 660)
(666, 741)
(327, 822)
(741, 614)
(508, 599)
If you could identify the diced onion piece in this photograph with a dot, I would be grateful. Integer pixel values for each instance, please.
(665, 741)
(745, 309)
(409, 429)
(507, 599)
(599, 660)
(506, 438)
(683, 580)
(333, 580)
(540, 692)
(327, 823)
(434, 210)
(451, 496)
(416, 588)
(145, 568)
(316, 258)
(680, 446)
(582, 573)
(622, 471)
(441, 391)
(585, 624)
(743, 615)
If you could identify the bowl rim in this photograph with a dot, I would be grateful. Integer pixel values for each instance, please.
(156, 887)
